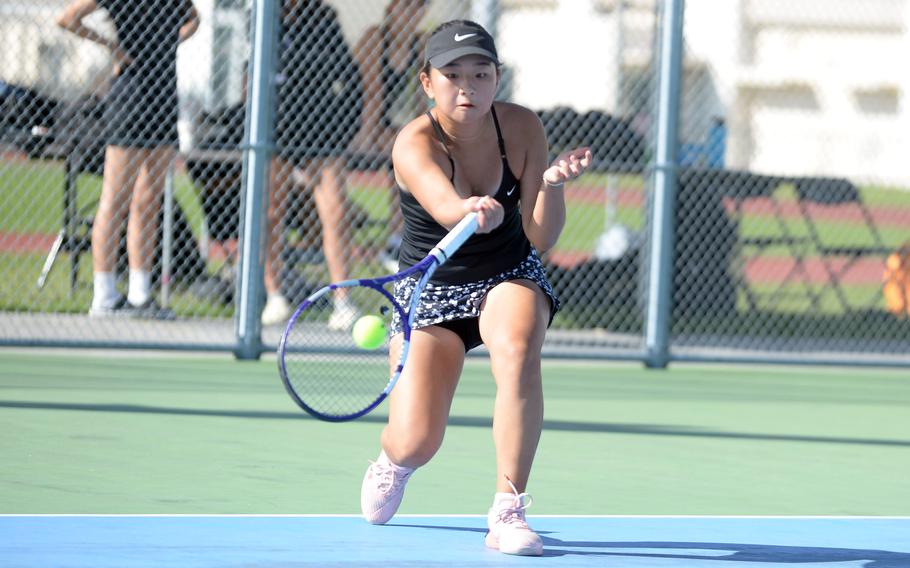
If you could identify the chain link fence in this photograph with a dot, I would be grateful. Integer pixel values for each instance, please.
(791, 194)
(129, 163)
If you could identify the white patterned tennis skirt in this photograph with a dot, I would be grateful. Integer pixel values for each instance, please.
(447, 302)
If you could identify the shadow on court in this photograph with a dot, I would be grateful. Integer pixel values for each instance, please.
(734, 552)
(464, 421)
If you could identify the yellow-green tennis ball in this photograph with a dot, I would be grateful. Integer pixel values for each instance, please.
(369, 332)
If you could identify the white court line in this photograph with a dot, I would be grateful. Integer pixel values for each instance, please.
(465, 516)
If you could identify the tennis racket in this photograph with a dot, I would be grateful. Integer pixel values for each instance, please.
(322, 367)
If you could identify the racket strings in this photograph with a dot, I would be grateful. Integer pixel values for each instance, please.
(325, 368)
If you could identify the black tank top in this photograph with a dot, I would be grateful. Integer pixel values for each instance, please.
(482, 256)
(149, 32)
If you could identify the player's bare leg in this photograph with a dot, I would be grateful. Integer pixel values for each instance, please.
(420, 402)
(277, 309)
(279, 182)
(418, 411)
(145, 206)
(513, 324)
(121, 168)
(142, 230)
(331, 206)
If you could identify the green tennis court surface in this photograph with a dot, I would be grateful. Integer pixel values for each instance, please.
(137, 433)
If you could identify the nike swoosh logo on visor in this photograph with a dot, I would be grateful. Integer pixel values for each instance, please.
(463, 37)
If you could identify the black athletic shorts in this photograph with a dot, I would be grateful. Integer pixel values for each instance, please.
(456, 307)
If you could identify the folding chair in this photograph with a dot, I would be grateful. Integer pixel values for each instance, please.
(816, 198)
(762, 191)
(839, 200)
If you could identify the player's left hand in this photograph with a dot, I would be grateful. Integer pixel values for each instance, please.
(568, 166)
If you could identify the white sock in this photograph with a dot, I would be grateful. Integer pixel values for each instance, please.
(140, 285)
(105, 290)
(385, 458)
(503, 500)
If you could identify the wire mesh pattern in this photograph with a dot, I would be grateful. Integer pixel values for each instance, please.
(788, 203)
(122, 153)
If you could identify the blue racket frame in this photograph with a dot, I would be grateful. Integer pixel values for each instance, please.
(428, 265)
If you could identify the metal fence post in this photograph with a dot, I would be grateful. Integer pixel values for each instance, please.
(660, 259)
(257, 155)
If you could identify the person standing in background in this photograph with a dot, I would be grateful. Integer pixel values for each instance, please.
(320, 99)
(389, 55)
(141, 118)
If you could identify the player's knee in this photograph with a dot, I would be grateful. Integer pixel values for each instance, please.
(413, 448)
(516, 350)
(517, 369)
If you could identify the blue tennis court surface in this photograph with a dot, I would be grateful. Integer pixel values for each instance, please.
(425, 541)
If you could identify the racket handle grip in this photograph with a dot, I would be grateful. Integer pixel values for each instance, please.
(456, 237)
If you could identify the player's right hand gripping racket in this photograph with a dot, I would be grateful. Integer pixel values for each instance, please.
(324, 370)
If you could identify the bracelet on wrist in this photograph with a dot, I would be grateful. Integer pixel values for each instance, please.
(551, 185)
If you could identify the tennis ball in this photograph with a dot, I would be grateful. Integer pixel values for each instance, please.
(369, 332)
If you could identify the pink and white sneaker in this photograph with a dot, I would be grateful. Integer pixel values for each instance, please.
(382, 489)
(509, 532)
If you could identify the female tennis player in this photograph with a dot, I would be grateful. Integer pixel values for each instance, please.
(469, 153)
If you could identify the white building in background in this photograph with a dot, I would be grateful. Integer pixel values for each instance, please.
(806, 87)
(810, 86)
